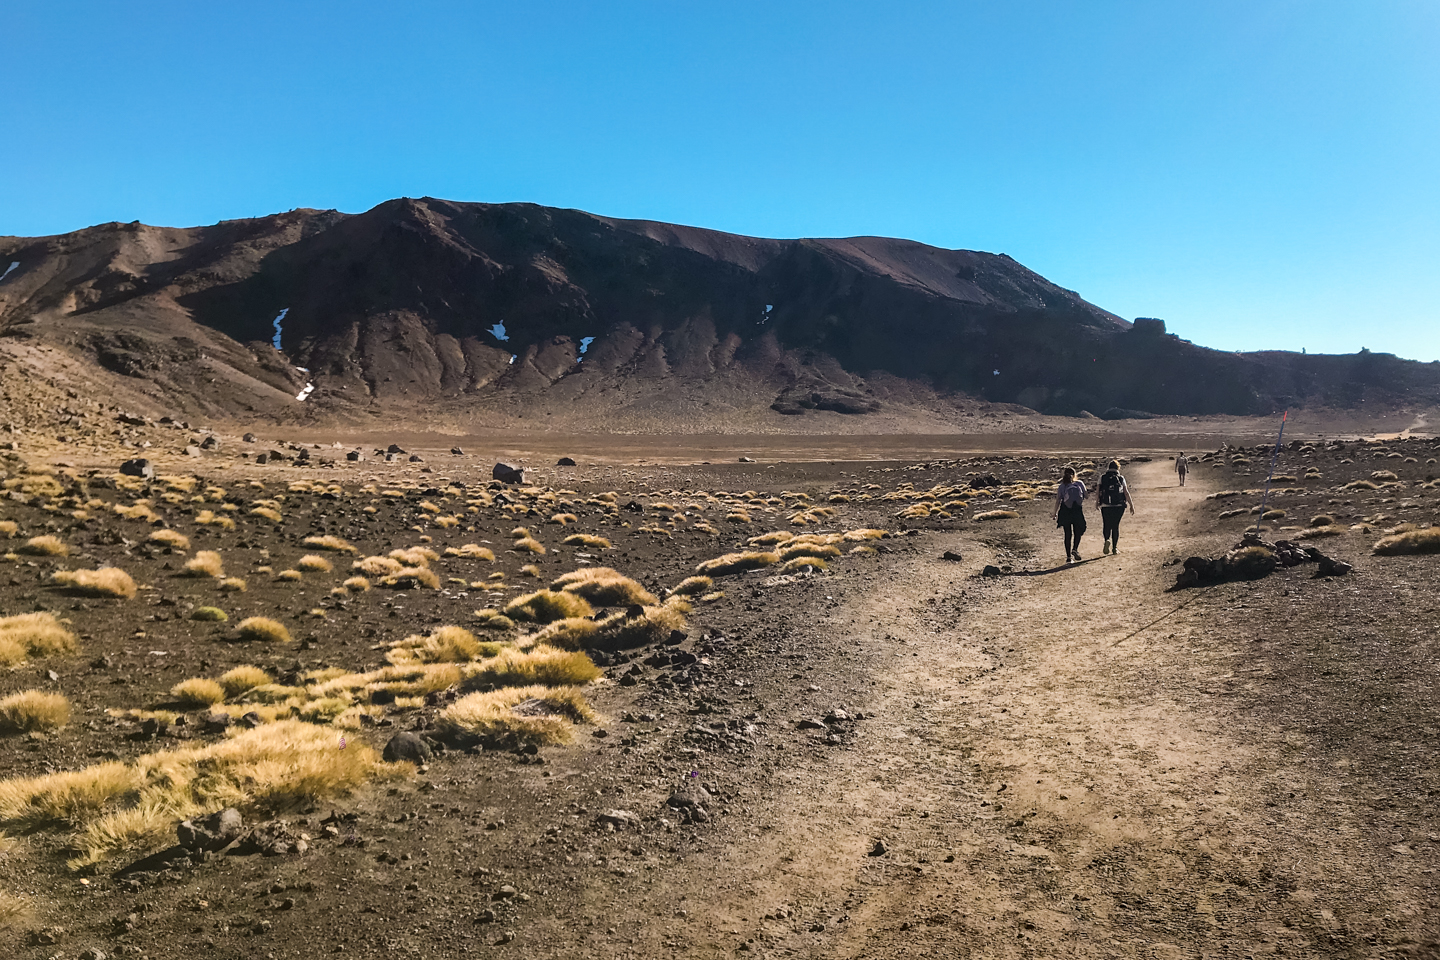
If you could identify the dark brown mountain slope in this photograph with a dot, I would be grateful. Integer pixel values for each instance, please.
(394, 312)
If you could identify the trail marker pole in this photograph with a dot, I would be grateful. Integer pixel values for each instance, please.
(1274, 458)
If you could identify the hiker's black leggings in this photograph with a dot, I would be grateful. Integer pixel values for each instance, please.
(1110, 517)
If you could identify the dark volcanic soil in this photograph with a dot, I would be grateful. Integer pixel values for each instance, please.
(1054, 761)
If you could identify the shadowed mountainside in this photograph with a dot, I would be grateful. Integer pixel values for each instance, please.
(394, 312)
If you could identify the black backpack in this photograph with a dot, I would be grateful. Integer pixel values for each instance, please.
(1111, 485)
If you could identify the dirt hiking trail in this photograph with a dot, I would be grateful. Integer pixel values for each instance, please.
(1046, 778)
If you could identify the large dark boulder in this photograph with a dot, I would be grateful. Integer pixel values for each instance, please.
(139, 467)
(508, 473)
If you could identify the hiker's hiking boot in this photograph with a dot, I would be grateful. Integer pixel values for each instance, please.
(1077, 556)
(1107, 548)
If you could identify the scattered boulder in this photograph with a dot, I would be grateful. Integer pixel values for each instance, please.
(1253, 558)
(139, 467)
(508, 473)
(407, 746)
(456, 451)
(248, 438)
(746, 460)
(214, 832)
(565, 462)
(192, 451)
(394, 448)
(210, 443)
(355, 456)
(416, 458)
(619, 819)
(952, 556)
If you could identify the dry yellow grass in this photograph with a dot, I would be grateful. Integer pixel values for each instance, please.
(377, 566)
(171, 539)
(209, 519)
(586, 540)
(525, 714)
(262, 629)
(268, 513)
(328, 542)
(33, 710)
(563, 519)
(471, 551)
(209, 615)
(197, 692)
(792, 550)
(412, 578)
(105, 582)
(797, 564)
(737, 563)
(545, 606)
(44, 546)
(572, 633)
(542, 665)
(997, 515)
(15, 912)
(603, 587)
(692, 586)
(490, 619)
(206, 563)
(241, 679)
(33, 634)
(527, 545)
(290, 575)
(9, 529)
(1409, 542)
(448, 644)
(356, 584)
(233, 584)
(313, 563)
(1323, 520)
(530, 570)
(867, 533)
(650, 624)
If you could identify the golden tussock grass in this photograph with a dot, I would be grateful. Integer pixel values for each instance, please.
(233, 584)
(328, 542)
(267, 513)
(767, 539)
(262, 630)
(737, 563)
(445, 523)
(9, 529)
(1360, 485)
(290, 575)
(691, 586)
(15, 912)
(527, 545)
(412, 578)
(471, 551)
(867, 533)
(1322, 520)
(792, 550)
(540, 665)
(490, 619)
(545, 606)
(356, 584)
(44, 546)
(563, 519)
(572, 633)
(650, 624)
(997, 515)
(33, 634)
(586, 540)
(713, 597)
(603, 587)
(313, 563)
(448, 644)
(739, 516)
(1383, 476)
(205, 563)
(33, 710)
(1273, 515)
(1409, 542)
(171, 539)
(529, 570)
(377, 566)
(797, 564)
(243, 678)
(1312, 533)
(209, 615)
(197, 692)
(209, 519)
(414, 556)
(105, 582)
(540, 715)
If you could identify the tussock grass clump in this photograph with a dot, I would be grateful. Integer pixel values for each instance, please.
(33, 634)
(572, 633)
(262, 630)
(414, 556)
(529, 570)
(206, 563)
(691, 586)
(870, 533)
(233, 584)
(328, 542)
(1273, 515)
(737, 563)
(313, 563)
(792, 550)
(603, 587)
(471, 551)
(412, 578)
(105, 582)
(563, 519)
(1383, 476)
(198, 692)
(170, 538)
(586, 540)
(1322, 520)
(267, 513)
(9, 529)
(539, 715)
(649, 624)
(997, 515)
(241, 679)
(209, 615)
(448, 644)
(356, 584)
(1410, 542)
(208, 518)
(377, 566)
(15, 912)
(44, 546)
(490, 619)
(290, 575)
(541, 665)
(1312, 533)
(33, 710)
(528, 545)
(546, 606)
(1361, 485)
(803, 562)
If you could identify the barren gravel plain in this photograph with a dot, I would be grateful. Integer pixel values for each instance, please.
(841, 744)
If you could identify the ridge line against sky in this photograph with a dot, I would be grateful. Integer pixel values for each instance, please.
(1259, 175)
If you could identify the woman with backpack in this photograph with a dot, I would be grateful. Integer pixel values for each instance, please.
(1114, 496)
(1068, 512)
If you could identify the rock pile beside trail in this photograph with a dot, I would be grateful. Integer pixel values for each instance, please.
(1253, 558)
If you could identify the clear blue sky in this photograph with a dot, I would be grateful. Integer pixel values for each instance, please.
(1262, 174)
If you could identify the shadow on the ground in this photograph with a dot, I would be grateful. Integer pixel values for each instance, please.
(1040, 573)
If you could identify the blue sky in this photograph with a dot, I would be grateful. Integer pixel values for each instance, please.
(1260, 174)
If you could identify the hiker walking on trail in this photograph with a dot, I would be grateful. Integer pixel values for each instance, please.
(1182, 467)
(1068, 512)
(1113, 495)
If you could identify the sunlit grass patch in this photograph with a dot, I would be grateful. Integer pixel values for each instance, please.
(490, 619)
(9, 529)
(411, 578)
(233, 584)
(267, 513)
(198, 692)
(737, 563)
(205, 563)
(313, 563)
(33, 634)
(636, 627)
(767, 539)
(44, 546)
(527, 545)
(691, 586)
(171, 539)
(377, 566)
(105, 582)
(328, 542)
(414, 556)
(241, 679)
(448, 644)
(867, 533)
(537, 714)
(289, 575)
(997, 515)
(33, 710)
(471, 551)
(263, 630)
(543, 665)
(356, 584)
(209, 519)
(807, 549)
(586, 540)
(1409, 542)
(544, 606)
(571, 633)
(603, 587)
(801, 563)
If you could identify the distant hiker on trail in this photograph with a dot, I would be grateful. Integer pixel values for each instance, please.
(1113, 495)
(1182, 467)
(1068, 512)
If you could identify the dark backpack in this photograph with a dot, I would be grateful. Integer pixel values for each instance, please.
(1111, 490)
